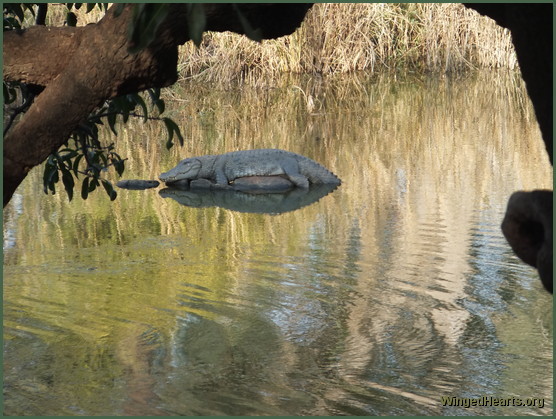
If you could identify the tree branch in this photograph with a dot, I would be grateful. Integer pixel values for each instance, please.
(83, 67)
(38, 54)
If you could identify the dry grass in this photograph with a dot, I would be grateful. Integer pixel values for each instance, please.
(57, 13)
(346, 37)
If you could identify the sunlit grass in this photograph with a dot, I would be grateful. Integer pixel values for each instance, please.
(347, 37)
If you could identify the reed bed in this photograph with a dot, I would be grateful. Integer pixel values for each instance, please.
(347, 37)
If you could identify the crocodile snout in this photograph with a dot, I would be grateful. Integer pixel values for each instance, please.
(166, 177)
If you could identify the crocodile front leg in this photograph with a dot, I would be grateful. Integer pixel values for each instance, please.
(291, 170)
(299, 180)
(221, 178)
(219, 174)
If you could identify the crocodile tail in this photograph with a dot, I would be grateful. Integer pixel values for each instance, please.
(318, 174)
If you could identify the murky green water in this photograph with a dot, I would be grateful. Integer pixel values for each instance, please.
(384, 296)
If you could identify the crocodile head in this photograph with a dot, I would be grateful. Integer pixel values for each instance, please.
(185, 170)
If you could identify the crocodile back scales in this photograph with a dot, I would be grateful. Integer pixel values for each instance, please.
(269, 162)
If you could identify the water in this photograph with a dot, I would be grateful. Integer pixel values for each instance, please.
(384, 296)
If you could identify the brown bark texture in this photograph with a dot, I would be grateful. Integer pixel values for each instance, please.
(80, 68)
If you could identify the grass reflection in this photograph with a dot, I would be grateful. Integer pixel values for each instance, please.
(392, 287)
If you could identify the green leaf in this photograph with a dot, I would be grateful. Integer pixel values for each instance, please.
(67, 180)
(103, 158)
(95, 169)
(120, 104)
(49, 168)
(75, 165)
(29, 6)
(11, 23)
(178, 134)
(109, 189)
(170, 128)
(90, 6)
(51, 176)
(154, 93)
(93, 183)
(196, 21)
(160, 105)
(112, 121)
(118, 162)
(71, 19)
(147, 17)
(68, 154)
(94, 135)
(143, 105)
(85, 188)
(17, 10)
(9, 94)
(119, 166)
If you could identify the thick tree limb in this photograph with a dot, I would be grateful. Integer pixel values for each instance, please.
(40, 53)
(82, 67)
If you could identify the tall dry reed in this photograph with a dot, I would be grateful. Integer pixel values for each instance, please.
(374, 37)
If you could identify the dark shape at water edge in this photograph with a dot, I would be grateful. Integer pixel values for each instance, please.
(137, 184)
(527, 226)
(259, 202)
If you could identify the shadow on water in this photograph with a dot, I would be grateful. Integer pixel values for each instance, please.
(378, 299)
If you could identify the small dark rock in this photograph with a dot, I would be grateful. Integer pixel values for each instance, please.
(137, 184)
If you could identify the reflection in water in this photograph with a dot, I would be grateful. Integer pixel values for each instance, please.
(264, 203)
(380, 298)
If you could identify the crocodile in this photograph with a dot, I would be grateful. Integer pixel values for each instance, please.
(223, 169)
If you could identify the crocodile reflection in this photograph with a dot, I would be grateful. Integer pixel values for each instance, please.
(253, 201)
